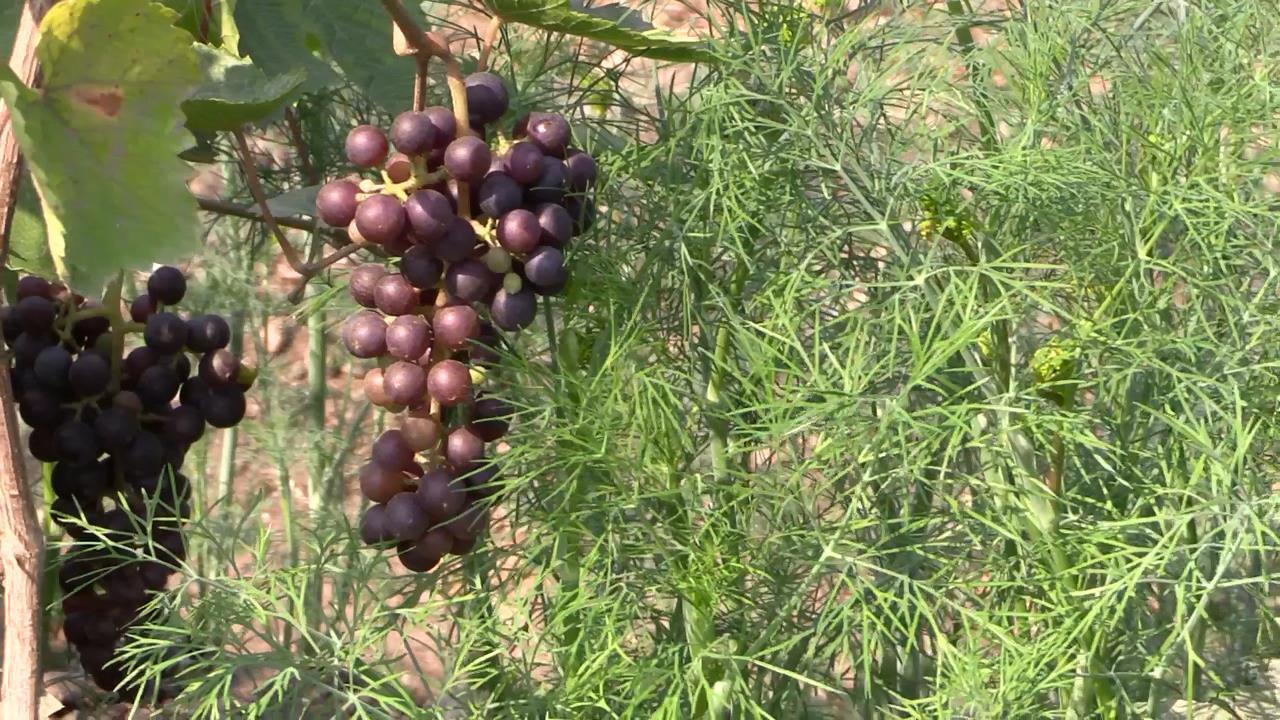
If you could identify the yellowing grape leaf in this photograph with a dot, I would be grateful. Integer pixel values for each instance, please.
(102, 136)
(612, 24)
(235, 92)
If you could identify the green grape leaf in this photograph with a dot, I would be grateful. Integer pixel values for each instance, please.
(28, 242)
(320, 35)
(615, 25)
(10, 17)
(235, 92)
(277, 35)
(357, 35)
(102, 135)
(298, 201)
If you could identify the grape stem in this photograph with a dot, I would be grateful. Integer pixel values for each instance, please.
(305, 269)
(490, 37)
(420, 84)
(111, 303)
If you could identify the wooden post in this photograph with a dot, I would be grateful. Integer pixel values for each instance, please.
(21, 540)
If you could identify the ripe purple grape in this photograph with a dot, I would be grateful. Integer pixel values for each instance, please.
(365, 335)
(469, 280)
(33, 286)
(373, 526)
(429, 214)
(445, 124)
(519, 231)
(379, 483)
(550, 132)
(375, 390)
(141, 308)
(416, 557)
(421, 268)
(362, 282)
(408, 337)
(582, 171)
(224, 407)
(36, 314)
(366, 146)
(499, 194)
(392, 451)
(413, 133)
(555, 223)
(165, 333)
(380, 219)
(582, 211)
(524, 162)
(545, 268)
(206, 333)
(550, 185)
(185, 424)
(467, 159)
(482, 481)
(449, 383)
(487, 98)
(77, 443)
(513, 311)
(463, 449)
(157, 386)
(421, 431)
(51, 367)
(220, 367)
(405, 383)
(167, 285)
(406, 518)
(441, 495)
(336, 203)
(394, 295)
(456, 326)
(457, 243)
(489, 418)
(115, 428)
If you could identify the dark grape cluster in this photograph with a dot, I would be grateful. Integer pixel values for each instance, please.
(478, 234)
(116, 427)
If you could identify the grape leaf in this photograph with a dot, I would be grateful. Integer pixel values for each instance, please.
(235, 92)
(10, 16)
(355, 35)
(277, 35)
(101, 136)
(28, 242)
(298, 201)
(615, 25)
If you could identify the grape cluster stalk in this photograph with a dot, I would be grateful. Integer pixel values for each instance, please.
(116, 428)
(477, 234)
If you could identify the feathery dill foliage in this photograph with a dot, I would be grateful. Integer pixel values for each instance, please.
(792, 448)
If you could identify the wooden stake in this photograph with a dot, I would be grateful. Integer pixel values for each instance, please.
(21, 540)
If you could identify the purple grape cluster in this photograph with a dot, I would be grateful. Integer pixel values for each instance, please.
(117, 433)
(477, 234)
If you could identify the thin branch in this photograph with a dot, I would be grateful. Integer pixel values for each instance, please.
(429, 44)
(420, 83)
(303, 268)
(21, 539)
(490, 37)
(248, 212)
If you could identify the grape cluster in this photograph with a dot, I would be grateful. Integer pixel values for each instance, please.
(109, 424)
(478, 234)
